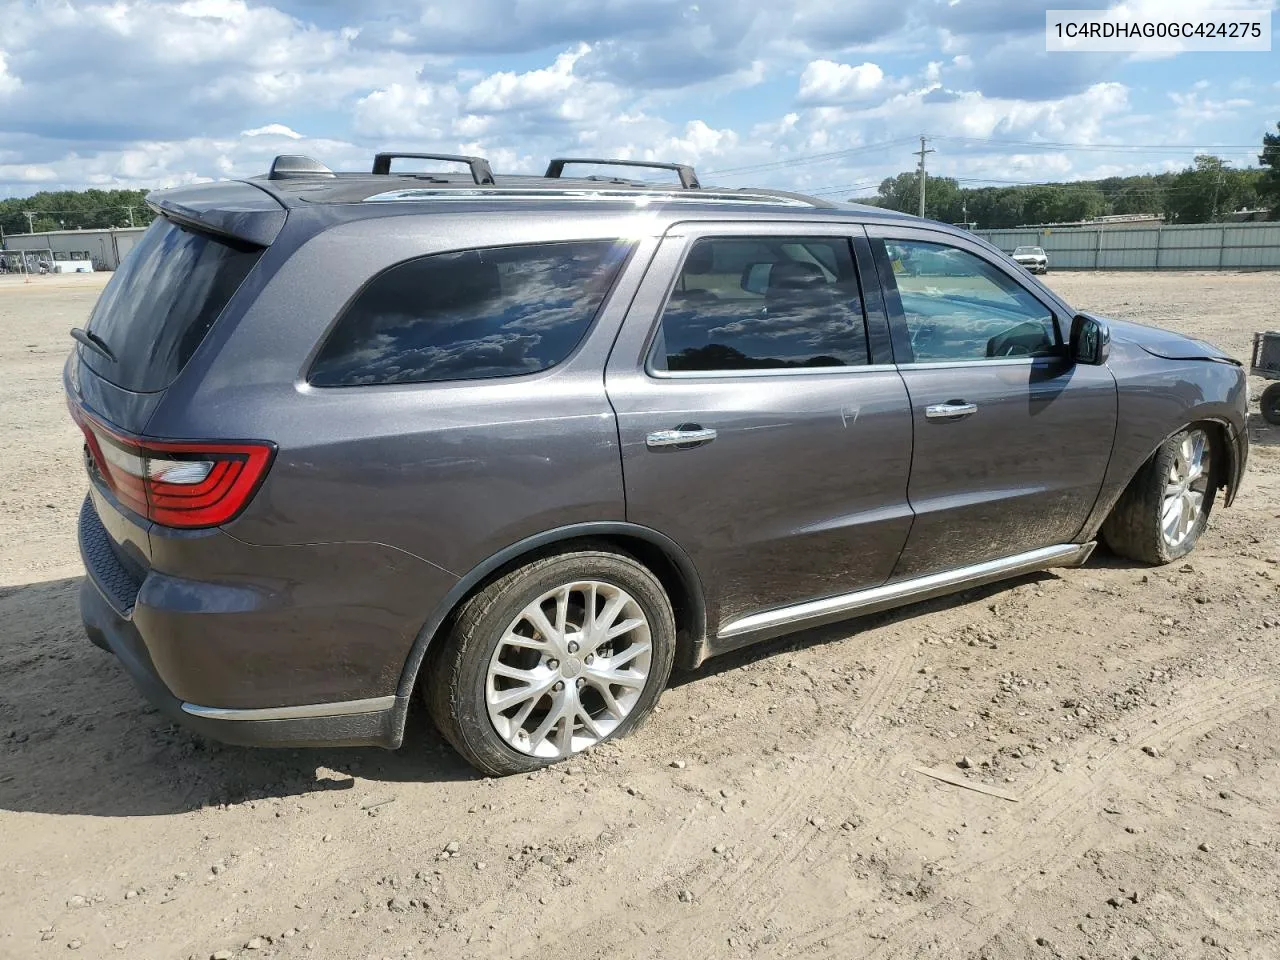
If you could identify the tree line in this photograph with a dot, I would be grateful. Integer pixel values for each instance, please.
(72, 209)
(1204, 192)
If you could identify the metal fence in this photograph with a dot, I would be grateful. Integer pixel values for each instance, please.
(1198, 246)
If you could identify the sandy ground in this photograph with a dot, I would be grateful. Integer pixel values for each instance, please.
(1129, 718)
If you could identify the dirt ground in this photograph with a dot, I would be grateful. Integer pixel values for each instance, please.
(1128, 717)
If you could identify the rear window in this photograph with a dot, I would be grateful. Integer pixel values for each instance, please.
(162, 301)
(495, 312)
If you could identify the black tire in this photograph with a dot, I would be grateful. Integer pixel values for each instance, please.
(454, 689)
(1269, 404)
(1133, 528)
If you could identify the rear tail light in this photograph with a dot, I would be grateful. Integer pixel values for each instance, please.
(178, 484)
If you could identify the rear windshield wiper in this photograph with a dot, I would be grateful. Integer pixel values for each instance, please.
(93, 342)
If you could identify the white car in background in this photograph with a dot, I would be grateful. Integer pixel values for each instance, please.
(1033, 258)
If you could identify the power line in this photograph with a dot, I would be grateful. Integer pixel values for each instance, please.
(1101, 147)
(810, 158)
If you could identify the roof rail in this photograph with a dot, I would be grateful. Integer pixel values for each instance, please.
(481, 172)
(688, 178)
(289, 166)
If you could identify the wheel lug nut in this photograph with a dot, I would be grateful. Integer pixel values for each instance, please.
(581, 683)
(590, 659)
(559, 686)
(553, 664)
(573, 646)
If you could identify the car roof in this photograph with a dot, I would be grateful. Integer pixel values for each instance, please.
(302, 185)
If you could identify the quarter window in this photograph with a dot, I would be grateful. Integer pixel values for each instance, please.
(761, 303)
(477, 314)
(959, 307)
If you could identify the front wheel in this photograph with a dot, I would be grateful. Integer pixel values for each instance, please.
(551, 659)
(1166, 507)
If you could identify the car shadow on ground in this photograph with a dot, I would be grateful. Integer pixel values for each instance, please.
(76, 737)
(1261, 433)
(845, 629)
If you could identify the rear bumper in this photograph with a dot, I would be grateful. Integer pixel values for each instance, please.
(113, 633)
(135, 618)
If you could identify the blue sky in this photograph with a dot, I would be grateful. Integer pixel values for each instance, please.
(147, 93)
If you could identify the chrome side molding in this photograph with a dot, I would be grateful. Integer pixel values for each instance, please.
(814, 612)
(305, 711)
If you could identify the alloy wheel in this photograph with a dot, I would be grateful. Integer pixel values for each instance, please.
(1186, 488)
(569, 669)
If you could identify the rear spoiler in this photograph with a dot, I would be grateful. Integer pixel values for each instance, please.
(232, 209)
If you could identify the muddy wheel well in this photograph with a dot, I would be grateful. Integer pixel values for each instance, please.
(675, 573)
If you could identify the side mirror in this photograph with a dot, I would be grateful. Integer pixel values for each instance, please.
(1090, 340)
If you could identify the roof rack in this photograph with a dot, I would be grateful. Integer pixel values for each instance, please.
(481, 172)
(688, 178)
(289, 166)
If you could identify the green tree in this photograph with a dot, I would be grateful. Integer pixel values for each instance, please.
(942, 196)
(1203, 193)
(1268, 185)
(74, 209)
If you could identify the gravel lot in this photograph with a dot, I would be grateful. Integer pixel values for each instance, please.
(1129, 719)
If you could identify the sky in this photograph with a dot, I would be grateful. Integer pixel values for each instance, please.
(822, 96)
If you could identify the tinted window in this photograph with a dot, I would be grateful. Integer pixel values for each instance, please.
(495, 312)
(764, 303)
(162, 301)
(960, 307)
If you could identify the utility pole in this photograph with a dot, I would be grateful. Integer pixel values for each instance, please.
(964, 212)
(130, 209)
(923, 175)
(1213, 215)
(31, 216)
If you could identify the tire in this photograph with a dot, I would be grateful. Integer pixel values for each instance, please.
(493, 632)
(1136, 527)
(1269, 404)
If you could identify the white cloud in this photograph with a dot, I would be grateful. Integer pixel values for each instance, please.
(272, 130)
(825, 81)
(8, 82)
(406, 110)
(542, 89)
(185, 89)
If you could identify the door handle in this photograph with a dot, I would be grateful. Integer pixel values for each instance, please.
(950, 411)
(682, 436)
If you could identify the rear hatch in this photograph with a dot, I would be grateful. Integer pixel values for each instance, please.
(147, 325)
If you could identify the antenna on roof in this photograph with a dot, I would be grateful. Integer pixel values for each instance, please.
(288, 166)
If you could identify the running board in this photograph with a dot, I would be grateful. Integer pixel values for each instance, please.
(770, 623)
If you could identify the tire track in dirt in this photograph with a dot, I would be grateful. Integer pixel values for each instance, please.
(740, 879)
(1058, 828)
(745, 887)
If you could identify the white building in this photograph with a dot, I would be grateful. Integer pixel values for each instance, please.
(104, 248)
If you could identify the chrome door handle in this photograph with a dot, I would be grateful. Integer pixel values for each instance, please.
(679, 437)
(949, 411)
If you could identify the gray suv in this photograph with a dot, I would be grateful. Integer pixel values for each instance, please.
(523, 444)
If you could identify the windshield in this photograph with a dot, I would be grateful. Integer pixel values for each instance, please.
(1032, 251)
(161, 302)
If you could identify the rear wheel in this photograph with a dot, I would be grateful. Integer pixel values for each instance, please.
(1166, 507)
(1269, 404)
(552, 659)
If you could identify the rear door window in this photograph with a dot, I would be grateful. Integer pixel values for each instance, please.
(161, 303)
(763, 303)
(476, 314)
